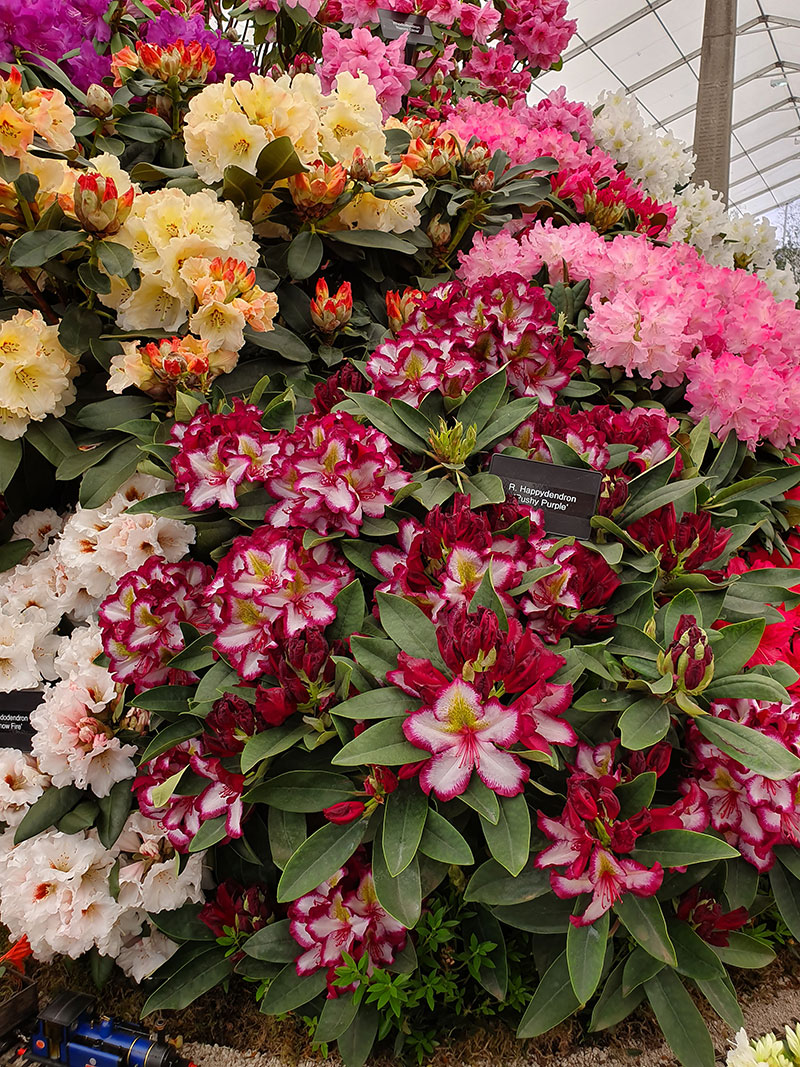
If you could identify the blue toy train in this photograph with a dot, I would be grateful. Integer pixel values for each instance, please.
(67, 1034)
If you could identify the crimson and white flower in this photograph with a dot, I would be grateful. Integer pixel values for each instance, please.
(607, 877)
(464, 733)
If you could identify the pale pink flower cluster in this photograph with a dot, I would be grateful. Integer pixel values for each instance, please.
(668, 315)
(366, 53)
(21, 783)
(55, 888)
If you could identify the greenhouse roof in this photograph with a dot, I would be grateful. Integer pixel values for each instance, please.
(651, 48)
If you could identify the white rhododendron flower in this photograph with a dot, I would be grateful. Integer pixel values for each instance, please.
(21, 783)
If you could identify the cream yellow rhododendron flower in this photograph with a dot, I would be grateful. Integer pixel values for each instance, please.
(369, 212)
(36, 373)
(158, 368)
(352, 120)
(164, 230)
(39, 111)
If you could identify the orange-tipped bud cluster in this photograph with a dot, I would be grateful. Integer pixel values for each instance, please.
(432, 159)
(400, 307)
(98, 207)
(177, 358)
(362, 167)
(315, 190)
(186, 62)
(331, 313)
(234, 274)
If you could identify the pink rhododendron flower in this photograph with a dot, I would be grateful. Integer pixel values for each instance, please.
(365, 53)
(266, 582)
(343, 915)
(538, 30)
(141, 621)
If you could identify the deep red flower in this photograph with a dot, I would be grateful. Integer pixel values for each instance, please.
(705, 914)
(243, 909)
(680, 545)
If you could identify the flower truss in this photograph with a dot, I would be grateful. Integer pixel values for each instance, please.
(318, 698)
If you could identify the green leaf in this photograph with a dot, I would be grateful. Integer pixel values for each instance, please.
(184, 729)
(404, 819)
(741, 883)
(735, 646)
(586, 951)
(658, 498)
(375, 655)
(381, 415)
(636, 794)
(644, 920)
(289, 991)
(196, 655)
(114, 810)
(281, 340)
(409, 628)
(493, 967)
(116, 258)
(94, 279)
(384, 744)
(720, 995)
(273, 942)
(480, 403)
(319, 856)
(305, 255)
(102, 481)
(753, 750)
(287, 832)
(373, 239)
(386, 703)
(13, 553)
(639, 968)
(695, 957)
(10, 456)
(45, 812)
(786, 890)
(492, 884)
(441, 841)
(644, 723)
(183, 924)
(743, 950)
(201, 967)
(481, 799)
(338, 1013)
(278, 160)
(351, 608)
(486, 597)
(400, 896)
(272, 742)
(509, 839)
(302, 791)
(143, 127)
(506, 420)
(679, 848)
(612, 1005)
(682, 1024)
(553, 1001)
(211, 832)
(748, 686)
(356, 1042)
(789, 856)
(38, 247)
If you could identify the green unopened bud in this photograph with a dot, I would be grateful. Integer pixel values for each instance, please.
(453, 445)
(689, 658)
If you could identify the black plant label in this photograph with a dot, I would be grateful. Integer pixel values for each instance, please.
(566, 496)
(15, 718)
(395, 23)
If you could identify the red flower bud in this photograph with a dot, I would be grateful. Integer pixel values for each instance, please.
(345, 811)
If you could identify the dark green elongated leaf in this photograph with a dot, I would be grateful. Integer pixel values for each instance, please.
(612, 1005)
(274, 943)
(586, 951)
(50, 437)
(789, 856)
(480, 403)
(116, 258)
(636, 794)
(383, 418)
(735, 645)
(679, 848)
(481, 799)
(686, 1033)
(504, 421)
(102, 481)
(400, 896)
(509, 839)
(211, 832)
(604, 700)
(94, 279)
(741, 883)
(492, 884)
(639, 968)
(441, 841)
(185, 728)
(80, 818)
(720, 995)
(387, 703)
(547, 915)
(45, 812)
(486, 597)
(114, 810)
(281, 340)
(493, 972)
(74, 465)
(644, 723)
(36, 248)
(10, 456)
(667, 494)
(247, 967)
(384, 744)
(305, 255)
(374, 654)
(196, 655)
(786, 890)
(753, 750)
(143, 127)
(404, 819)
(743, 950)
(201, 968)
(278, 160)
(14, 552)
(302, 791)
(748, 686)
(319, 856)
(350, 611)
(643, 918)
(695, 958)
(337, 1015)
(272, 742)
(356, 1042)
(287, 832)
(373, 239)
(409, 628)
(553, 1001)
(169, 698)
(183, 924)
(288, 990)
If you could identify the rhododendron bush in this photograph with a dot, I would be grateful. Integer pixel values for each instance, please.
(321, 705)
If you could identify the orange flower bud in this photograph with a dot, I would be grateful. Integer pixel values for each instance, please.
(315, 190)
(98, 207)
(331, 313)
(400, 308)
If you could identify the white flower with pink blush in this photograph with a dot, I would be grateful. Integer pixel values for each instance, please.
(21, 783)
